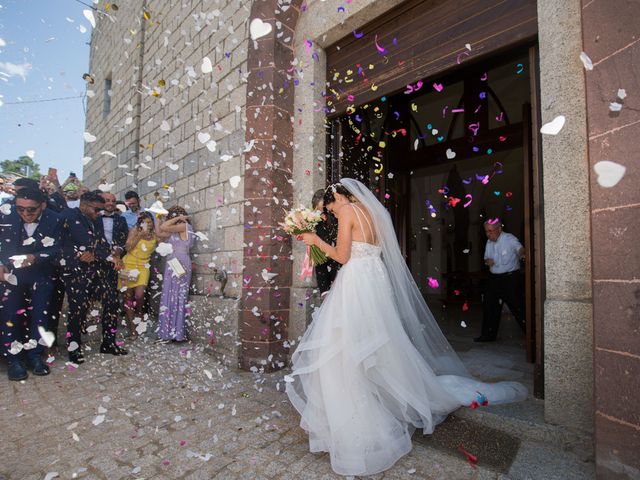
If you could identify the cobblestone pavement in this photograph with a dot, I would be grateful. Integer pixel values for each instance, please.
(172, 411)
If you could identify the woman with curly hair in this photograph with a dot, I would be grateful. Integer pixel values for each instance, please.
(141, 243)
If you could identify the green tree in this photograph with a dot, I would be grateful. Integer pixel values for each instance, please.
(23, 166)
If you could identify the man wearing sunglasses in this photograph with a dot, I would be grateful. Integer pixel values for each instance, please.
(85, 255)
(30, 242)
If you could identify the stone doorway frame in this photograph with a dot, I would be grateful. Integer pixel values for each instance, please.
(289, 134)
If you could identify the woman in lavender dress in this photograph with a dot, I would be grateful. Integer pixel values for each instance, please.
(177, 231)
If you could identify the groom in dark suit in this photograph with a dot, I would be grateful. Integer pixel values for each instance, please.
(85, 256)
(327, 230)
(30, 241)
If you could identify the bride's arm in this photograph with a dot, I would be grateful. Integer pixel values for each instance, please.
(342, 251)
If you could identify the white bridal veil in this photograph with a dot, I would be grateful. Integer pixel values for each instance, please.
(418, 321)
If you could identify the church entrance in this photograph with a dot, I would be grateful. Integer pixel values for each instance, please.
(446, 154)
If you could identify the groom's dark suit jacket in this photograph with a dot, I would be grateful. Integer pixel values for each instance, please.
(327, 230)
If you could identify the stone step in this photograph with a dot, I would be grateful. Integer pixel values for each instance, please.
(525, 421)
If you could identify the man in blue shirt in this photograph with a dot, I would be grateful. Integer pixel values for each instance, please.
(502, 255)
(30, 242)
(132, 201)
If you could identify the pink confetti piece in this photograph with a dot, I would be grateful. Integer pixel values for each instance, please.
(380, 49)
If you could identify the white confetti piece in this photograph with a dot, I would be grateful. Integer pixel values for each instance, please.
(206, 66)
(211, 145)
(89, 138)
(98, 420)
(615, 106)
(208, 374)
(106, 187)
(235, 181)
(88, 14)
(75, 436)
(554, 126)
(51, 475)
(48, 241)
(108, 154)
(463, 324)
(151, 183)
(73, 346)
(5, 208)
(586, 61)
(46, 338)
(164, 126)
(203, 137)
(15, 347)
(29, 241)
(622, 93)
(18, 260)
(259, 29)
(289, 379)
(31, 154)
(163, 249)
(173, 166)
(609, 173)
(11, 278)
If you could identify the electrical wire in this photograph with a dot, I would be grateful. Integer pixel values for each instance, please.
(43, 100)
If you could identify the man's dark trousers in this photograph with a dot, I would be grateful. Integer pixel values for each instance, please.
(507, 287)
(84, 285)
(25, 304)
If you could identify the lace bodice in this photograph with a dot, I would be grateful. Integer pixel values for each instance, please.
(364, 250)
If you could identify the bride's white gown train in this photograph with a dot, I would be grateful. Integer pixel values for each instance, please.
(360, 385)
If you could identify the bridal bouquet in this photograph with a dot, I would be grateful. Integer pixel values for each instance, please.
(303, 220)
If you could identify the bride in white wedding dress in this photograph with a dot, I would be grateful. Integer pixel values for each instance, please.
(373, 365)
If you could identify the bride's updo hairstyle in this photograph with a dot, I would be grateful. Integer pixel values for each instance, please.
(330, 193)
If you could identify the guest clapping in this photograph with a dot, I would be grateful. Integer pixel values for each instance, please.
(86, 255)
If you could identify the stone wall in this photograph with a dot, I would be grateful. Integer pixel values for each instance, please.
(610, 36)
(176, 128)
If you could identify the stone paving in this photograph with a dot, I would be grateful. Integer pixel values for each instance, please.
(174, 412)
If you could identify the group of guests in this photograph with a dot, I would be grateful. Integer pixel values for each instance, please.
(90, 249)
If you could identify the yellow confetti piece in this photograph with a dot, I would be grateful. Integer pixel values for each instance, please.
(146, 15)
(371, 67)
(374, 87)
(351, 109)
(379, 170)
(161, 83)
(382, 144)
(414, 107)
(280, 90)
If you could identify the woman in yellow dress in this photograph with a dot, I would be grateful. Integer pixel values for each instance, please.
(141, 243)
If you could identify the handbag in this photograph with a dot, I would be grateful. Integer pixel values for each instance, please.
(176, 267)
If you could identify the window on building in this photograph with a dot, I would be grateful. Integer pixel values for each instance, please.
(107, 97)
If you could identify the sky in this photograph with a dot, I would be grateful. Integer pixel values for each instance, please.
(44, 50)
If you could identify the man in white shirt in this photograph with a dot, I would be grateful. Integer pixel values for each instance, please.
(502, 255)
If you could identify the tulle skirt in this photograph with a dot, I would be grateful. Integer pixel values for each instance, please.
(361, 387)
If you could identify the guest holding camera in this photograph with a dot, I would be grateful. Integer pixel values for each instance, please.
(140, 244)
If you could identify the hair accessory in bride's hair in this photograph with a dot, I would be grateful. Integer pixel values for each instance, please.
(332, 187)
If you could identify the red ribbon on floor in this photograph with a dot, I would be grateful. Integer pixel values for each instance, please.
(472, 459)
